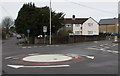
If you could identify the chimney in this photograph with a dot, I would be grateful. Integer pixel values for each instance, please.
(73, 17)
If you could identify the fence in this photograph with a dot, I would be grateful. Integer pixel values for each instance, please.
(71, 39)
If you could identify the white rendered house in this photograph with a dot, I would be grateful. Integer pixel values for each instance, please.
(82, 26)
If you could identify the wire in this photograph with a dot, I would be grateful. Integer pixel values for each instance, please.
(6, 11)
(90, 7)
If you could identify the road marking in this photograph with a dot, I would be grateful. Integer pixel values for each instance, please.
(113, 51)
(49, 66)
(90, 57)
(95, 41)
(102, 49)
(91, 48)
(35, 46)
(24, 47)
(29, 47)
(94, 46)
(105, 44)
(51, 45)
(115, 45)
(106, 47)
(101, 45)
(47, 58)
(8, 57)
(34, 54)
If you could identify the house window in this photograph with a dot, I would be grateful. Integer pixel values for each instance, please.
(90, 32)
(90, 24)
(77, 25)
(77, 32)
(81, 28)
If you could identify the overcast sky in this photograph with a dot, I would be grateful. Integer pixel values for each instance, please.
(97, 9)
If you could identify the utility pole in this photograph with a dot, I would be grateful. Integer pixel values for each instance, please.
(50, 24)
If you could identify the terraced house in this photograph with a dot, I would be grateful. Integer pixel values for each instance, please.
(82, 26)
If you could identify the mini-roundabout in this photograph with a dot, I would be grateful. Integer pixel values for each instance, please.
(43, 60)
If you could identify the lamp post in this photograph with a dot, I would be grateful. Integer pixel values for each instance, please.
(50, 24)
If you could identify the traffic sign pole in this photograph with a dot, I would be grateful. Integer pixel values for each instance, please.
(28, 39)
(44, 30)
(28, 31)
(44, 38)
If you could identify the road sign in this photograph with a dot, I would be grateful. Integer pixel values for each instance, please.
(44, 28)
(28, 31)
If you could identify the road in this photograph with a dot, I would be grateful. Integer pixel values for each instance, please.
(105, 57)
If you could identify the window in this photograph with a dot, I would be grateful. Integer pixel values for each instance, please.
(77, 25)
(77, 32)
(90, 24)
(90, 32)
(81, 28)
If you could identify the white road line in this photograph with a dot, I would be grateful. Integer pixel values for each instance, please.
(115, 52)
(8, 57)
(114, 45)
(29, 47)
(106, 47)
(112, 51)
(35, 46)
(24, 47)
(90, 57)
(56, 45)
(101, 45)
(95, 41)
(34, 54)
(48, 66)
(105, 44)
(94, 46)
(101, 49)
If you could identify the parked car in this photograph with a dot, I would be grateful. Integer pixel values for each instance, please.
(22, 40)
(19, 36)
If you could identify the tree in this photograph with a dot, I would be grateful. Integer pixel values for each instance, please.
(34, 18)
(12, 29)
(7, 23)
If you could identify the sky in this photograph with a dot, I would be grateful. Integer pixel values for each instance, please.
(97, 9)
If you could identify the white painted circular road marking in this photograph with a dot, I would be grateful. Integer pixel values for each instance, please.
(47, 58)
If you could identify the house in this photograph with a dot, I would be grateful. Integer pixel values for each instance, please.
(82, 26)
(108, 25)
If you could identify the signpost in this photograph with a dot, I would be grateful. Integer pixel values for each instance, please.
(44, 30)
(28, 31)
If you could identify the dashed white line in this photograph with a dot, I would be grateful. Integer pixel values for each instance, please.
(35, 46)
(24, 47)
(29, 47)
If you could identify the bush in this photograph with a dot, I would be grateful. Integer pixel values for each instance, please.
(61, 37)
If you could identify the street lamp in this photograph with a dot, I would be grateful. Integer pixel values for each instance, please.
(50, 24)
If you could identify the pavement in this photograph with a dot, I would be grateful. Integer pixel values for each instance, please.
(100, 57)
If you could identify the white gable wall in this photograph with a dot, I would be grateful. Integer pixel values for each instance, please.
(90, 30)
(77, 29)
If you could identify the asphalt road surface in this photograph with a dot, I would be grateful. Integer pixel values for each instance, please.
(105, 59)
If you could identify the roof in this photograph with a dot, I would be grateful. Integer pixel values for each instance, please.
(76, 21)
(108, 21)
